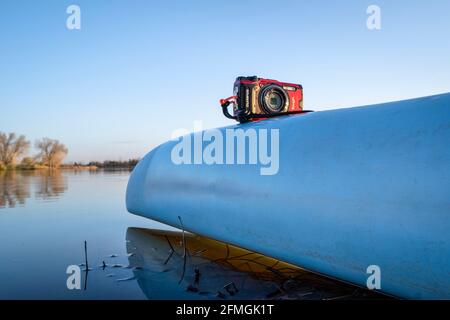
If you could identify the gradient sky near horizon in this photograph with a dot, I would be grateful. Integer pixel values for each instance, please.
(138, 70)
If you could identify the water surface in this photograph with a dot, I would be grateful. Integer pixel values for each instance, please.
(46, 216)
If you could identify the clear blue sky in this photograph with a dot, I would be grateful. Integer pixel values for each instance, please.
(137, 70)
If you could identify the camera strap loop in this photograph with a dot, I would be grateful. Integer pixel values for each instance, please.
(225, 103)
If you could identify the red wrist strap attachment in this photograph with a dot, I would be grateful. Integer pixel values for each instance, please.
(225, 103)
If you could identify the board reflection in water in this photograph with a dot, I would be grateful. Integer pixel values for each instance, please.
(177, 265)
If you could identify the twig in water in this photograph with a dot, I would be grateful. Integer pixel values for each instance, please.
(85, 255)
(87, 265)
(184, 251)
(184, 239)
(85, 279)
(170, 256)
(231, 288)
(170, 244)
(172, 250)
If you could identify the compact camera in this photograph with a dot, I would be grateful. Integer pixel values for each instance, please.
(256, 98)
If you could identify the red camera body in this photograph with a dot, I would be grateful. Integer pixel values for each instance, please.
(256, 98)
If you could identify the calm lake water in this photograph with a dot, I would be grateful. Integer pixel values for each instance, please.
(45, 217)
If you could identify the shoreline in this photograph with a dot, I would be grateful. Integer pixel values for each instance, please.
(62, 167)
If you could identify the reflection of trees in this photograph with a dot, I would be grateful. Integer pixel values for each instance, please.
(15, 186)
(50, 184)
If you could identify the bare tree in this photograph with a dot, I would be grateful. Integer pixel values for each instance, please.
(12, 147)
(52, 152)
(28, 162)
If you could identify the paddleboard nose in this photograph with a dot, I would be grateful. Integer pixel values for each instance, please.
(137, 185)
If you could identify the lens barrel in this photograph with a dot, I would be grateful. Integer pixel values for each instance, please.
(273, 99)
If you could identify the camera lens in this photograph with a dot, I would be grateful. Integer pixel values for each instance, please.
(273, 99)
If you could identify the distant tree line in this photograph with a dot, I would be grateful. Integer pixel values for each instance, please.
(111, 164)
(14, 150)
